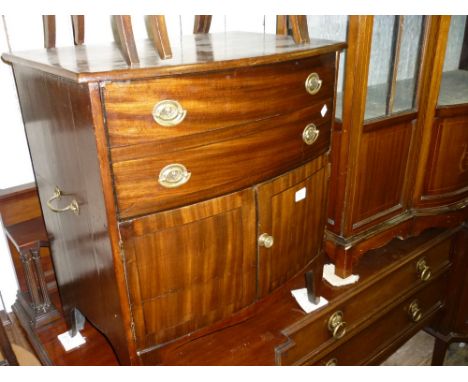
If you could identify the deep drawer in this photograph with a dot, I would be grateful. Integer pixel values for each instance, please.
(212, 101)
(215, 163)
(400, 321)
(312, 335)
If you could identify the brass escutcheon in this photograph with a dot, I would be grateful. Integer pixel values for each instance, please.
(332, 362)
(423, 269)
(415, 311)
(313, 83)
(174, 175)
(168, 113)
(310, 134)
(336, 325)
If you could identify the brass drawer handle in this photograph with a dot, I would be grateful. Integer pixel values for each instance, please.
(423, 269)
(265, 240)
(313, 83)
(310, 134)
(73, 206)
(414, 311)
(332, 362)
(174, 175)
(336, 325)
(168, 113)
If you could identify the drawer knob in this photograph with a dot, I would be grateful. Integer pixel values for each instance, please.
(174, 175)
(168, 113)
(265, 240)
(415, 311)
(310, 134)
(336, 325)
(313, 83)
(58, 193)
(424, 270)
(332, 362)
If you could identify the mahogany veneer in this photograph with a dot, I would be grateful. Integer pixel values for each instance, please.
(149, 262)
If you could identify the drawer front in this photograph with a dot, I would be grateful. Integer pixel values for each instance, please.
(238, 158)
(405, 318)
(212, 100)
(315, 333)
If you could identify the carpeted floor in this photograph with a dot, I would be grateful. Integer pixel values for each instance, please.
(418, 352)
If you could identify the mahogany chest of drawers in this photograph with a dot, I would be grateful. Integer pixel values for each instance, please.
(182, 194)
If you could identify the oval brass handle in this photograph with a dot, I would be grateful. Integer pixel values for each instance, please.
(73, 206)
(174, 175)
(423, 269)
(336, 325)
(168, 113)
(415, 311)
(313, 83)
(310, 134)
(332, 362)
(265, 240)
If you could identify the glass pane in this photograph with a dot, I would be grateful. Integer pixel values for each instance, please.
(332, 28)
(394, 65)
(454, 86)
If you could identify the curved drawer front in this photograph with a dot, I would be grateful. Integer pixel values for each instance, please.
(314, 334)
(398, 322)
(212, 101)
(162, 176)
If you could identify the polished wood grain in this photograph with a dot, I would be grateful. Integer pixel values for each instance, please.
(300, 31)
(202, 24)
(382, 170)
(205, 260)
(125, 39)
(266, 149)
(19, 203)
(48, 22)
(378, 336)
(251, 339)
(282, 25)
(157, 31)
(313, 336)
(447, 172)
(356, 74)
(214, 100)
(296, 225)
(229, 50)
(63, 149)
(78, 24)
(435, 44)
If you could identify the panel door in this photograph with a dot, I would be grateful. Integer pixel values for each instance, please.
(190, 267)
(291, 211)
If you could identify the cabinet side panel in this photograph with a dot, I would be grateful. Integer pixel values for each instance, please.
(58, 122)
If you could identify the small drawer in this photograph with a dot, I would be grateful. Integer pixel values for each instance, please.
(398, 322)
(315, 332)
(193, 170)
(192, 104)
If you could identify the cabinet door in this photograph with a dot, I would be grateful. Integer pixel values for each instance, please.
(189, 267)
(291, 210)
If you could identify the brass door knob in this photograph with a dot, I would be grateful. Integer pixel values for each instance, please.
(313, 83)
(265, 240)
(414, 311)
(423, 269)
(310, 134)
(336, 325)
(332, 362)
(174, 175)
(168, 113)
